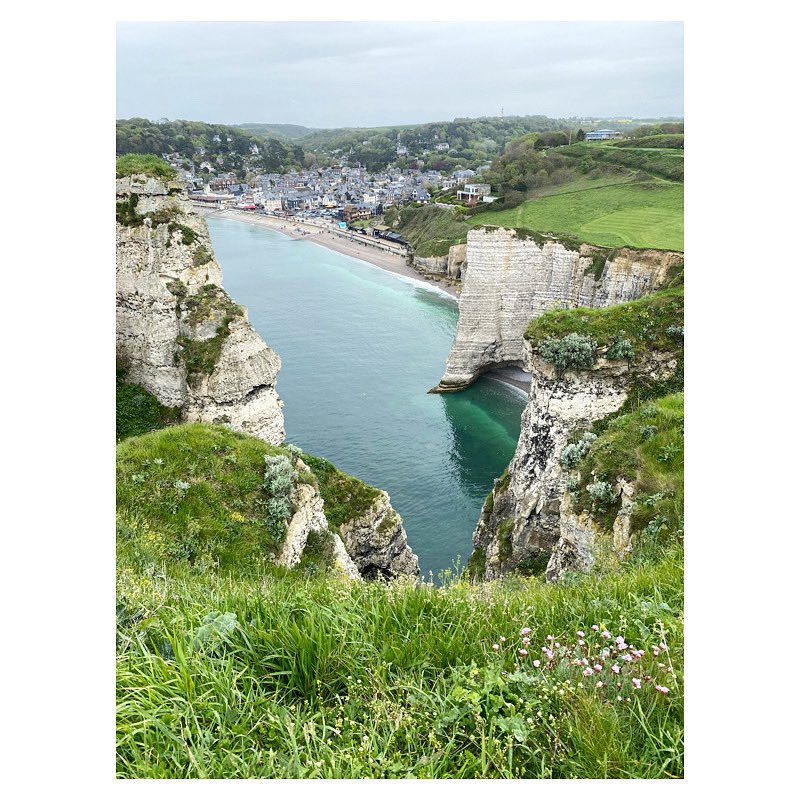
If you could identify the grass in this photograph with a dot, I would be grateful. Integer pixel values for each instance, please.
(642, 215)
(346, 498)
(135, 164)
(193, 493)
(645, 447)
(282, 676)
(431, 230)
(653, 322)
(138, 411)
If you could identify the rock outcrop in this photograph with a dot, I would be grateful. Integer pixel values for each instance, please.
(453, 265)
(514, 278)
(179, 335)
(377, 542)
(527, 518)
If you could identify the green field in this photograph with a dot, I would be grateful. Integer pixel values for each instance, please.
(645, 215)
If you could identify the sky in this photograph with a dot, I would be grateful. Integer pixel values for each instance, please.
(342, 74)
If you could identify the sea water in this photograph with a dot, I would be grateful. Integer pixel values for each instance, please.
(360, 348)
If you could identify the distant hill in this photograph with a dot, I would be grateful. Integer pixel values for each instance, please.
(226, 148)
(279, 130)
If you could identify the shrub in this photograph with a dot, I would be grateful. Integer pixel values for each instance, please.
(602, 494)
(279, 480)
(620, 350)
(573, 351)
(574, 452)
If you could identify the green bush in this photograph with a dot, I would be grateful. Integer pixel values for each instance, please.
(621, 350)
(151, 165)
(573, 351)
(279, 481)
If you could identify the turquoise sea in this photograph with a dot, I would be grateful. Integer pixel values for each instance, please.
(360, 349)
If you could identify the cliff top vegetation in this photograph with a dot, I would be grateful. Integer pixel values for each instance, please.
(283, 675)
(144, 164)
(653, 322)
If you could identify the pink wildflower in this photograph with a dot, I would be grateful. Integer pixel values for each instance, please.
(587, 672)
(615, 669)
(606, 635)
(549, 654)
(495, 647)
(536, 662)
(637, 684)
(524, 631)
(661, 665)
(522, 651)
(620, 640)
(581, 642)
(663, 646)
(662, 689)
(584, 661)
(581, 634)
(502, 639)
(598, 668)
(627, 657)
(550, 637)
(622, 646)
(599, 684)
(526, 641)
(595, 627)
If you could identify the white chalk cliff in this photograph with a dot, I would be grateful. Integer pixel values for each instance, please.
(514, 277)
(178, 333)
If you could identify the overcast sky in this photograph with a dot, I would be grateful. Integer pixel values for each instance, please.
(373, 73)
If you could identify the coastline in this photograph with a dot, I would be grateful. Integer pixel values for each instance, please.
(371, 256)
(377, 255)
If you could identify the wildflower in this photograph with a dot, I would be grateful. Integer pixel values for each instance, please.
(581, 642)
(599, 684)
(606, 635)
(502, 639)
(587, 672)
(661, 665)
(663, 646)
(495, 647)
(598, 667)
(595, 627)
(669, 669)
(536, 662)
(619, 698)
(524, 631)
(619, 640)
(606, 652)
(526, 641)
(522, 651)
(615, 669)
(556, 645)
(662, 689)
(637, 684)
(585, 661)
(549, 654)
(581, 634)
(627, 657)
(622, 646)
(550, 637)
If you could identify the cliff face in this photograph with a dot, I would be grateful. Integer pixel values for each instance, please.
(528, 520)
(512, 280)
(453, 265)
(182, 338)
(178, 333)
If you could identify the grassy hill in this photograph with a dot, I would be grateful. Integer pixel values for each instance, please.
(644, 215)
(278, 130)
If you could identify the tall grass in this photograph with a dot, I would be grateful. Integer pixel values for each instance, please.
(326, 677)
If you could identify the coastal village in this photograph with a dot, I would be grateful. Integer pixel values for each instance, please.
(339, 195)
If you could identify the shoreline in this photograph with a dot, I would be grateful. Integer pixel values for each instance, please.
(377, 255)
(393, 263)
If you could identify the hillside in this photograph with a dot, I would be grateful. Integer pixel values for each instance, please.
(226, 148)
(277, 130)
(643, 215)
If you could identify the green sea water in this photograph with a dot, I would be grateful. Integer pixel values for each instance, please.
(360, 349)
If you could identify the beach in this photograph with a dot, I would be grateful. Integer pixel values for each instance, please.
(386, 256)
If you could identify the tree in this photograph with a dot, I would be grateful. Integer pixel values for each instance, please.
(581, 135)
